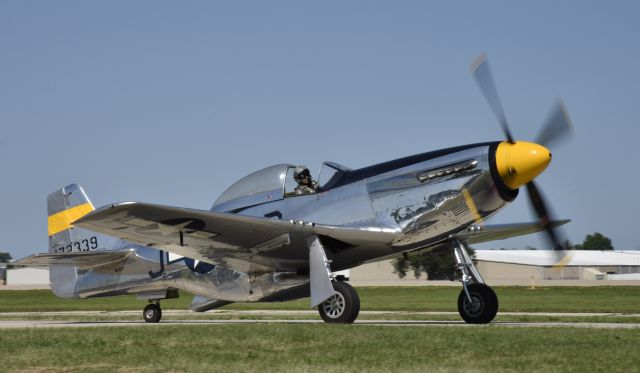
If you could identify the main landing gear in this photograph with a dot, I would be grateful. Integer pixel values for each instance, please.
(152, 312)
(477, 302)
(337, 301)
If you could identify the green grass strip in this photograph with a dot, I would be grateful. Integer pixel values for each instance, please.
(329, 348)
(511, 298)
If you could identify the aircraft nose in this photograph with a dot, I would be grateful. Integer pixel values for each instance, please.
(520, 162)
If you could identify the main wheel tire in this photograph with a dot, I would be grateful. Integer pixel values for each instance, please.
(342, 307)
(152, 313)
(484, 305)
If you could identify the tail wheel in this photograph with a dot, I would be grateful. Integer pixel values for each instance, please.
(483, 306)
(152, 313)
(342, 307)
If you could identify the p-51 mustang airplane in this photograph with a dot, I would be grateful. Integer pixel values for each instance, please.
(262, 242)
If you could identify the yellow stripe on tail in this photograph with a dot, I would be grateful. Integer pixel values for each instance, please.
(62, 220)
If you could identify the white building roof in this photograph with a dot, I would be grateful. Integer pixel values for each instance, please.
(549, 258)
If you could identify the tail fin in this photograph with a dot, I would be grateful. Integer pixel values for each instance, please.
(65, 206)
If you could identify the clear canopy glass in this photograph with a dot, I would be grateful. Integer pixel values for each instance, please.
(266, 183)
(330, 174)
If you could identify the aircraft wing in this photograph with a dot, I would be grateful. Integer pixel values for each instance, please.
(82, 260)
(478, 234)
(229, 240)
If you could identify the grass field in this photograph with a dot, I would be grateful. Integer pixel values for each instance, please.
(521, 299)
(330, 348)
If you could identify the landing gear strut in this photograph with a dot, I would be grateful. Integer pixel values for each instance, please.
(477, 302)
(152, 312)
(337, 301)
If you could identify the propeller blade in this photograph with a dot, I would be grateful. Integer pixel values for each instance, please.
(482, 74)
(557, 127)
(540, 207)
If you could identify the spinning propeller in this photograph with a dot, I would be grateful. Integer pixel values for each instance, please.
(519, 162)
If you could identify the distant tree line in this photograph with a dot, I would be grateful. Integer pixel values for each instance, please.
(436, 265)
(5, 257)
(596, 241)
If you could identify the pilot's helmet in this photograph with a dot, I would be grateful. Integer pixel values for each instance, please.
(301, 172)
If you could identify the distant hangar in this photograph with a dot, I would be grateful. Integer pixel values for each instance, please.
(540, 265)
(521, 267)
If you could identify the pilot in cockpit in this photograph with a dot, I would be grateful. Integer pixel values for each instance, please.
(306, 185)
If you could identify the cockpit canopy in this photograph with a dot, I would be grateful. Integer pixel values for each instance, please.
(271, 184)
(259, 187)
(331, 174)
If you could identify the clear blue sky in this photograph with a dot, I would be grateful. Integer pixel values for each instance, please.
(171, 102)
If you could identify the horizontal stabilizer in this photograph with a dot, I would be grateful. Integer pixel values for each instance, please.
(83, 260)
(478, 234)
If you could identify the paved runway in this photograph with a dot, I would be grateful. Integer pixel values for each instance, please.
(416, 323)
(304, 312)
(20, 320)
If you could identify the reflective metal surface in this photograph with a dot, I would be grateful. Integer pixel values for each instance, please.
(261, 186)
(319, 272)
(261, 251)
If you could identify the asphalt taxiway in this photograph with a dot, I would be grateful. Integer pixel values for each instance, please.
(20, 324)
(16, 320)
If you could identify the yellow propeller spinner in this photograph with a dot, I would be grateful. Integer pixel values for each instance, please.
(520, 162)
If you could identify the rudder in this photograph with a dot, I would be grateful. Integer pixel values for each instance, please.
(65, 206)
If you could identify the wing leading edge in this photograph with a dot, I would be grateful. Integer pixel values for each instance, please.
(232, 241)
(478, 234)
(246, 243)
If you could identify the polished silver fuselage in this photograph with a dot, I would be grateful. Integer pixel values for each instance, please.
(424, 198)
